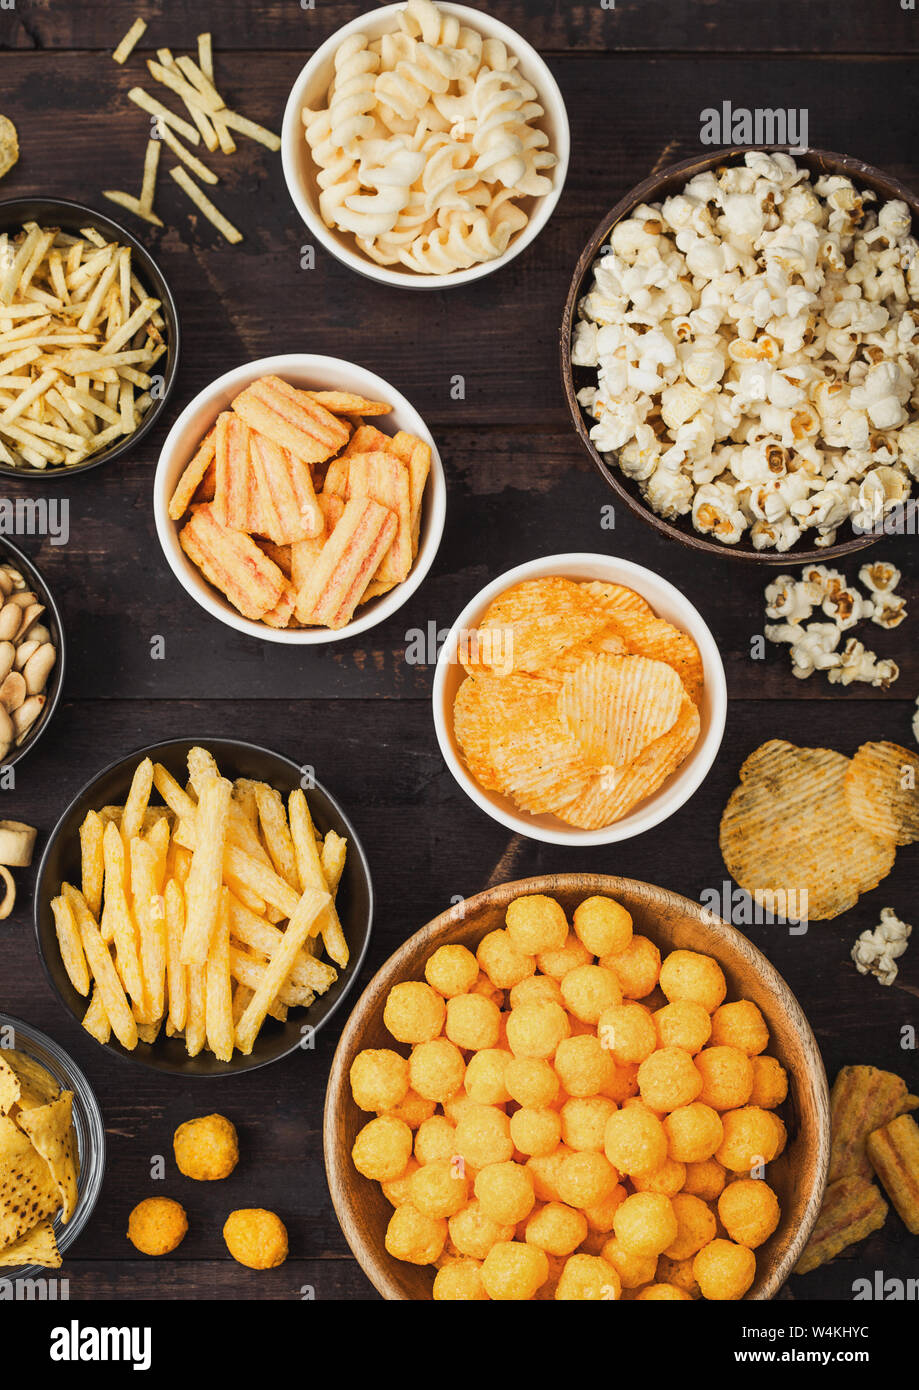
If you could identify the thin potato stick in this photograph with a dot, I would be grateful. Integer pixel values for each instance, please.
(118, 923)
(127, 200)
(156, 108)
(150, 912)
(93, 861)
(219, 992)
(176, 973)
(309, 868)
(130, 41)
(71, 947)
(298, 928)
(206, 55)
(252, 930)
(201, 200)
(100, 963)
(132, 819)
(95, 1020)
(277, 835)
(251, 128)
(205, 174)
(195, 1027)
(151, 164)
(206, 875)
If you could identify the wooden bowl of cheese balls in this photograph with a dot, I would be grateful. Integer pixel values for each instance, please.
(490, 1132)
(690, 509)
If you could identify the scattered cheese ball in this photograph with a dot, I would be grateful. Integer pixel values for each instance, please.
(623, 1082)
(556, 1228)
(256, 1238)
(627, 1031)
(740, 1025)
(695, 977)
(157, 1226)
(531, 1081)
(663, 1293)
(696, 1226)
(588, 1278)
(536, 1132)
(452, 970)
(435, 1138)
(750, 1139)
(486, 1076)
(460, 1281)
(727, 1077)
(414, 1012)
(603, 926)
(536, 923)
(637, 967)
(589, 990)
(646, 1223)
(749, 1211)
(503, 962)
(414, 1237)
(601, 1215)
(633, 1268)
(439, 1188)
(379, 1079)
(535, 1030)
(206, 1148)
(724, 1271)
(770, 1083)
(473, 1022)
(585, 1179)
(474, 1233)
(505, 1192)
(583, 1122)
(382, 1148)
(583, 1065)
(513, 1270)
(483, 1136)
(635, 1140)
(684, 1023)
(668, 1079)
(693, 1132)
(436, 1069)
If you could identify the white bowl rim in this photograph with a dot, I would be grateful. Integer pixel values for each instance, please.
(194, 583)
(683, 784)
(549, 92)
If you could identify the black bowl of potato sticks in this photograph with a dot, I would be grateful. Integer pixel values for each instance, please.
(89, 339)
(203, 907)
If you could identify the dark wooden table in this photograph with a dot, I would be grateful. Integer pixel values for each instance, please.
(636, 78)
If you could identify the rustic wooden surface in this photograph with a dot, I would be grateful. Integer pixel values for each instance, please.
(636, 78)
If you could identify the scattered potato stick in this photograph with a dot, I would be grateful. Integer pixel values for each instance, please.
(206, 55)
(202, 891)
(130, 41)
(298, 928)
(151, 164)
(100, 963)
(156, 108)
(190, 95)
(205, 174)
(93, 861)
(219, 988)
(71, 946)
(201, 201)
(176, 972)
(250, 128)
(95, 1020)
(127, 200)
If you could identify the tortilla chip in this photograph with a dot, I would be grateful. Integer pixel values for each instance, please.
(50, 1128)
(34, 1079)
(10, 1087)
(36, 1247)
(28, 1192)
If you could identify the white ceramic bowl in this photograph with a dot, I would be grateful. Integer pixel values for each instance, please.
(667, 603)
(316, 373)
(310, 90)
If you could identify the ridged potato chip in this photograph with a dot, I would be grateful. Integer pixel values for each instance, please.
(489, 705)
(616, 598)
(882, 791)
(647, 635)
(616, 705)
(529, 627)
(787, 834)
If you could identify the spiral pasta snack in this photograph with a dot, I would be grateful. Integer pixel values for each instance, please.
(427, 144)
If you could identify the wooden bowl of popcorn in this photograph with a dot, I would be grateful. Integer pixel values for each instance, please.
(740, 352)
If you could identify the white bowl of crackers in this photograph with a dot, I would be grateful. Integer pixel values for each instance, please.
(300, 499)
(425, 145)
(579, 699)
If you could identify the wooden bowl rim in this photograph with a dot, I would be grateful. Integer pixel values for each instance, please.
(650, 190)
(375, 1263)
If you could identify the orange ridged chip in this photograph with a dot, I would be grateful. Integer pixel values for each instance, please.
(616, 705)
(488, 711)
(613, 791)
(786, 830)
(616, 598)
(882, 791)
(193, 475)
(862, 1099)
(852, 1209)
(653, 637)
(232, 562)
(292, 418)
(531, 626)
(346, 403)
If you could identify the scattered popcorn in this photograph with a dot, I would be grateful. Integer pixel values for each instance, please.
(857, 664)
(877, 952)
(756, 344)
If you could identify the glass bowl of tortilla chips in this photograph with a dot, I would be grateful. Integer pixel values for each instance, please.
(52, 1151)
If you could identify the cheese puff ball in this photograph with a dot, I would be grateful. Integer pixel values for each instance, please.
(678, 1272)
(584, 1122)
(399, 1190)
(705, 1178)
(561, 959)
(770, 1083)
(749, 1211)
(483, 985)
(586, 1179)
(535, 1030)
(536, 1132)
(603, 925)
(684, 1023)
(588, 1278)
(436, 1069)
(740, 1025)
(207, 1148)
(635, 1141)
(646, 1223)
(724, 1271)
(536, 923)
(556, 1228)
(693, 976)
(435, 1139)
(627, 1032)
(473, 1022)
(256, 1238)
(544, 1172)
(414, 1012)
(668, 1178)
(157, 1226)
(485, 1076)
(583, 1065)
(696, 1226)
(473, 1233)
(663, 1293)
(483, 1136)
(439, 1189)
(413, 1109)
(623, 1082)
(536, 989)
(693, 1132)
(382, 1148)
(451, 970)
(531, 1081)
(505, 1192)
(588, 990)
(636, 968)
(633, 1269)
(601, 1215)
(750, 1139)
(503, 962)
(414, 1237)
(379, 1079)
(460, 1281)
(668, 1079)
(513, 1271)
(727, 1077)
(780, 1131)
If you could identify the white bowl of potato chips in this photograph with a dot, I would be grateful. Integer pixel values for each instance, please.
(579, 699)
(425, 145)
(287, 514)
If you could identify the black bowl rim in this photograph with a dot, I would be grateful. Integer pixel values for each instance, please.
(147, 1059)
(33, 572)
(845, 164)
(150, 270)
